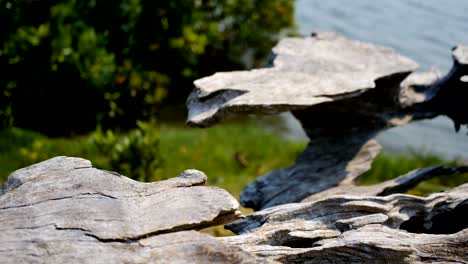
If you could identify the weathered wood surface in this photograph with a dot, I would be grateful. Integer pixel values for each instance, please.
(64, 211)
(363, 228)
(303, 72)
(344, 93)
(341, 118)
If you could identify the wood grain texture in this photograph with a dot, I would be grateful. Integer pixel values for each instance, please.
(361, 228)
(303, 72)
(65, 211)
(344, 93)
(341, 118)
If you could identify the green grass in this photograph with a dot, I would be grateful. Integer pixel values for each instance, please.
(387, 167)
(20, 148)
(232, 155)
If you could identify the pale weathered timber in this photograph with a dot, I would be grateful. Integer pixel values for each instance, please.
(359, 228)
(340, 118)
(341, 133)
(65, 211)
(304, 72)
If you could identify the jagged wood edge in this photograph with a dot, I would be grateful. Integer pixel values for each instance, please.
(65, 211)
(362, 227)
(351, 133)
(302, 72)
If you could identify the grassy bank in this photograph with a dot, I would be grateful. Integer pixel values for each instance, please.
(231, 155)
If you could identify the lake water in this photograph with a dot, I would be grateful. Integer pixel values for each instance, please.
(423, 30)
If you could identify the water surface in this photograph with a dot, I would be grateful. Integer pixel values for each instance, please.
(422, 30)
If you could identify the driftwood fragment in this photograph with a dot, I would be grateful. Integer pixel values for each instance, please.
(64, 211)
(401, 184)
(360, 228)
(344, 93)
(303, 72)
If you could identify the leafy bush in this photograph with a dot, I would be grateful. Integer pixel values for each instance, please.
(68, 65)
(134, 154)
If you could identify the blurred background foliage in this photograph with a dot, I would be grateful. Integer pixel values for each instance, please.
(135, 153)
(71, 65)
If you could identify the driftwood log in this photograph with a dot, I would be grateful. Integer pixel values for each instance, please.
(64, 211)
(363, 225)
(344, 93)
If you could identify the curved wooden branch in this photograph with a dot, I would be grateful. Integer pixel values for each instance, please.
(400, 184)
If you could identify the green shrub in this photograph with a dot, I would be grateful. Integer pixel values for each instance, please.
(135, 153)
(68, 65)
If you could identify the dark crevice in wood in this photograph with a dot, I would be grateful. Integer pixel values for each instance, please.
(447, 222)
(302, 243)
